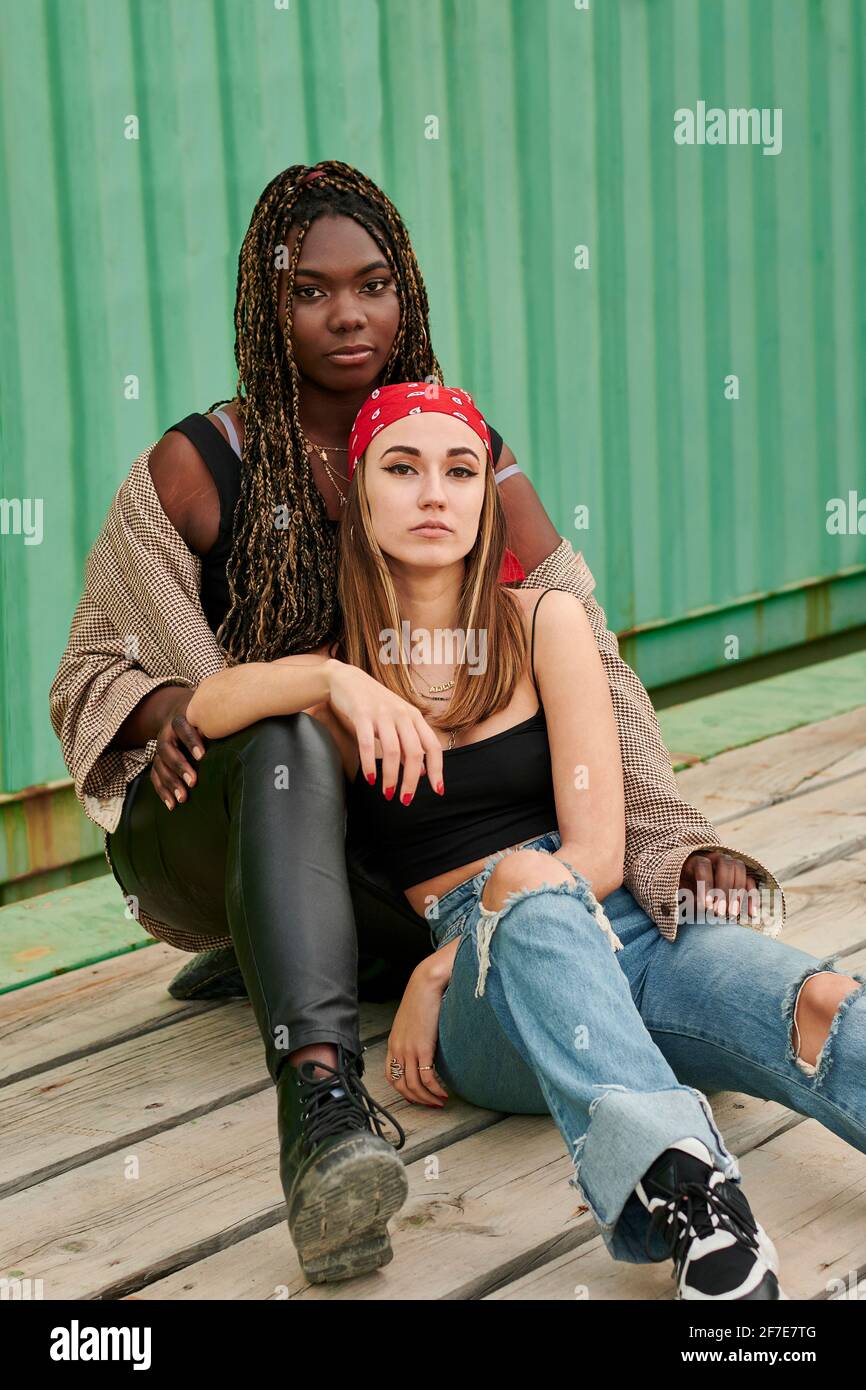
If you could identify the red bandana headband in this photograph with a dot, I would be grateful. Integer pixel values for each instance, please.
(309, 176)
(389, 403)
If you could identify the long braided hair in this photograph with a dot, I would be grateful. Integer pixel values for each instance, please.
(282, 576)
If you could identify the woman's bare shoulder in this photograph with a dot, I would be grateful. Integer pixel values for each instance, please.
(526, 599)
(563, 622)
(186, 490)
(561, 618)
(230, 408)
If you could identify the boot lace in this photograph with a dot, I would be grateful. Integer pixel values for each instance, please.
(325, 1114)
(697, 1202)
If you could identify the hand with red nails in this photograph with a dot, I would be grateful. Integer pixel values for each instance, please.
(370, 712)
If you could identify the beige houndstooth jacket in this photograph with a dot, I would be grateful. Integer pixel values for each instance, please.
(139, 624)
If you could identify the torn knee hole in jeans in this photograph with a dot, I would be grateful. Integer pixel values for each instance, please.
(817, 1069)
(489, 918)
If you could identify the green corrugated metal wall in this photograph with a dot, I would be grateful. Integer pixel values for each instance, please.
(118, 257)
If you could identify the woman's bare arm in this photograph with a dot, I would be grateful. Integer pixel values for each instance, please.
(150, 714)
(238, 696)
(532, 535)
(584, 741)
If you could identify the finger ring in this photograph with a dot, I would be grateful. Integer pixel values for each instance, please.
(425, 1068)
(396, 1069)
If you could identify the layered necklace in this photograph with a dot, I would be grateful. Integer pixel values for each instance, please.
(323, 455)
(432, 695)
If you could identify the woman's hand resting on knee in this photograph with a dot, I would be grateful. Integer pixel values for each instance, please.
(170, 767)
(415, 1030)
(163, 715)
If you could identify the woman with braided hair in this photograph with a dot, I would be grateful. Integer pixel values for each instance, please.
(219, 550)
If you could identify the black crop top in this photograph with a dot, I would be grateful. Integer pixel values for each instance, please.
(498, 792)
(224, 467)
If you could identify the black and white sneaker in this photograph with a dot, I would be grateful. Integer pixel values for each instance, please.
(718, 1248)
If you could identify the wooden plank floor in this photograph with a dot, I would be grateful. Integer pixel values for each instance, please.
(139, 1153)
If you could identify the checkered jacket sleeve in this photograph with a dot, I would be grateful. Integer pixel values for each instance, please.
(138, 625)
(662, 829)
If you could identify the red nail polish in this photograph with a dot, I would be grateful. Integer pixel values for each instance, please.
(389, 792)
(406, 798)
(440, 787)
(371, 776)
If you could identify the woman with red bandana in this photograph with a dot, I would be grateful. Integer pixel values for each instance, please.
(470, 802)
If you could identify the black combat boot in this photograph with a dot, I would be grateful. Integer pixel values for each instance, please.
(342, 1180)
(213, 974)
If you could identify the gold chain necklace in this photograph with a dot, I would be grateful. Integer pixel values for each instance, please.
(445, 686)
(322, 452)
(439, 697)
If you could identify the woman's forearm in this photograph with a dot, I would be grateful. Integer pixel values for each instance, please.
(603, 873)
(238, 696)
(145, 721)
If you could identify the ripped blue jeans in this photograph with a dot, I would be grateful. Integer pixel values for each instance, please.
(559, 1005)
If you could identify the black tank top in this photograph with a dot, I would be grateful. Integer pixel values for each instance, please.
(498, 792)
(224, 467)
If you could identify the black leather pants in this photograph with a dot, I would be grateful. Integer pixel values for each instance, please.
(258, 852)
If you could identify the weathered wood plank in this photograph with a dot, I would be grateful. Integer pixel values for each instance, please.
(826, 907)
(75, 1013)
(476, 1212)
(63, 929)
(775, 769)
(121, 1094)
(201, 1185)
(816, 828)
(759, 710)
(159, 1202)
